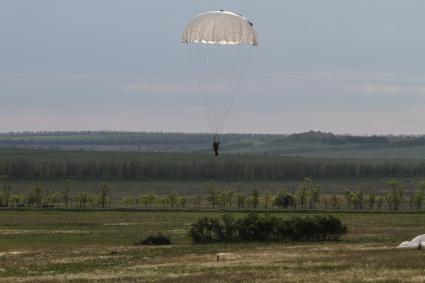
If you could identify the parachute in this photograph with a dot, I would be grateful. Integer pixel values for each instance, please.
(219, 41)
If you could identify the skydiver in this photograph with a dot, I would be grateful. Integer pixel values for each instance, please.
(216, 145)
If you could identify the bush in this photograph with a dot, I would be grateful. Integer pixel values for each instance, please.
(157, 240)
(254, 227)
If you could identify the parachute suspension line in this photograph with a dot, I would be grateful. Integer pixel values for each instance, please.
(202, 76)
(236, 85)
(230, 86)
(219, 37)
(219, 78)
(210, 86)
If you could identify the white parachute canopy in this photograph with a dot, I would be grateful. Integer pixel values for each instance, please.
(219, 41)
(221, 27)
(416, 242)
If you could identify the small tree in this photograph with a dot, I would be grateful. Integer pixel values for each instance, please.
(165, 201)
(82, 199)
(371, 199)
(397, 192)
(18, 199)
(149, 199)
(229, 199)
(419, 195)
(255, 201)
(241, 198)
(268, 200)
(303, 191)
(335, 201)
(36, 196)
(66, 194)
(128, 201)
(5, 196)
(349, 196)
(103, 195)
(46, 199)
(182, 202)
(173, 199)
(284, 199)
(379, 202)
(359, 199)
(197, 201)
(314, 197)
(212, 197)
(222, 199)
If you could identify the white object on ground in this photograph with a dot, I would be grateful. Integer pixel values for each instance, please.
(224, 256)
(416, 242)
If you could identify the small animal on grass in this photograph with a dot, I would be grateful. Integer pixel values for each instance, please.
(224, 256)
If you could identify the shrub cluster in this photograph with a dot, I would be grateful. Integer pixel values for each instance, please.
(156, 240)
(254, 227)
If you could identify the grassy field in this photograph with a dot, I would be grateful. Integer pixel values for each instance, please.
(40, 246)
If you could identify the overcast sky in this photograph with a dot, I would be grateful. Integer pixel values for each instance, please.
(342, 66)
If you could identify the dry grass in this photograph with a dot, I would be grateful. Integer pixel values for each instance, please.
(106, 253)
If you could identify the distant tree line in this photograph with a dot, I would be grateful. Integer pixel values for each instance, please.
(307, 196)
(174, 167)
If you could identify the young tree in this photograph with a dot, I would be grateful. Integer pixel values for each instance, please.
(349, 196)
(335, 201)
(197, 201)
(255, 201)
(18, 199)
(94, 200)
(241, 200)
(183, 202)
(165, 201)
(268, 200)
(173, 199)
(82, 199)
(326, 200)
(128, 201)
(314, 197)
(359, 199)
(397, 192)
(36, 196)
(371, 199)
(149, 199)
(229, 199)
(212, 194)
(303, 191)
(47, 199)
(379, 202)
(222, 199)
(103, 195)
(5, 195)
(56, 199)
(284, 199)
(66, 194)
(411, 199)
(419, 195)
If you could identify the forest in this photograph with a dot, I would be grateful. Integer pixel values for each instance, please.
(28, 164)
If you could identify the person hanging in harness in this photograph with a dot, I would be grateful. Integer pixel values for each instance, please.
(216, 145)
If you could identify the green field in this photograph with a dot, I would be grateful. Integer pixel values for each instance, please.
(42, 246)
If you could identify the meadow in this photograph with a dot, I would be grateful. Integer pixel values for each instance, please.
(59, 244)
(98, 246)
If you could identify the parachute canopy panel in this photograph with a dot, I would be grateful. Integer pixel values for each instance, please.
(220, 27)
